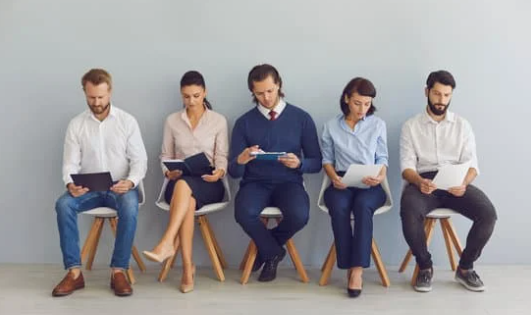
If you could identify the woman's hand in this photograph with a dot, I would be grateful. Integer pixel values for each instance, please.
(216, 175)
(173, 175)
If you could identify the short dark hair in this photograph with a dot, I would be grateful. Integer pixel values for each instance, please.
(260, 73)
(442, 76)
(361, 86)
(195, 78)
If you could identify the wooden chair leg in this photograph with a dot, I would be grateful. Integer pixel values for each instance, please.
(453, 236)
(296, 259)
(221, 257)
(377, 257)
(409, 255)
(95, 242)
(207, 237)
(448, 244)
(328, 265)
(168, 263)
(245, 257)
(130, 274)
(248, 266)
(89, 240)
(430, 226)
(327, 257)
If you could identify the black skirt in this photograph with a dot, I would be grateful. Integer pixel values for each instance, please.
(203, 192)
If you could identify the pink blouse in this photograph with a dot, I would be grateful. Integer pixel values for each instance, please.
(209, 136)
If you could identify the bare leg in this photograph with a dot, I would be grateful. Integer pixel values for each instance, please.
(180, 203)
(355, 280)
(186, 236)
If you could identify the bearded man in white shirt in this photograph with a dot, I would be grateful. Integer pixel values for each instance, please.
(102, 138)
(430, 140)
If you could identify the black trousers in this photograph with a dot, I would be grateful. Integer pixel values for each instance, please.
(474, 204)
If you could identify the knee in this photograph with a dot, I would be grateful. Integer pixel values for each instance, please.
(63, 205)
(299, 219)
(129, 205)
(244, 217)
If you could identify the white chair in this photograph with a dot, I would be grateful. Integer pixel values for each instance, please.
(247, 262)
(93, 237)
(212, 246)
(450, 238)
(331, 257)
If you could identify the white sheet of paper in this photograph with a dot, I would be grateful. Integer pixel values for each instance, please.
(451, 175)
(357, 172)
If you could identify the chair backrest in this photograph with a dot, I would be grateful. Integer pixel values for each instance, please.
(385, 185)
(162, 204)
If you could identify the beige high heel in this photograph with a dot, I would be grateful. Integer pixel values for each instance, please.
(185, 288)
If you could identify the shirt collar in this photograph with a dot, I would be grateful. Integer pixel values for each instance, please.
(449, 117)
(112, 113)
(278, 109)
(185, 118)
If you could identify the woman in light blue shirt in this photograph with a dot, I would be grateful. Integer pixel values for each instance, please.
(354, 137)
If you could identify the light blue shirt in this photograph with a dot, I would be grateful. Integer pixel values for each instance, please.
(366, 144)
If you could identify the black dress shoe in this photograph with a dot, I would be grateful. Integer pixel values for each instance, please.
(353, 293)
(258, 263)
(269, 272)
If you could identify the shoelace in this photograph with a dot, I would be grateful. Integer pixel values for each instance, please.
(424, 276)
(473, 276)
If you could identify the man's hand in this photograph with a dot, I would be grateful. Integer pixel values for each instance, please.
(122, 186)
(290, 160)
(457, 191)
(426, 186)
(216, 175)
(76, 191)
(173, 175)
(373, 181)
(246, 157)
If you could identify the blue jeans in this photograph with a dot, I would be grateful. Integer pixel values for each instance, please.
(67, 208)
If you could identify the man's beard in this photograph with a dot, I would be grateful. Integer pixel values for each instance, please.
(435, 110)
(99, 109)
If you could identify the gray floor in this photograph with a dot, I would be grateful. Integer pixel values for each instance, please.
(25, 289)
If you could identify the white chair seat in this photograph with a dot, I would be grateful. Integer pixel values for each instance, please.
(206, 209)
(106, 212)
(271, 212)
(441, 213)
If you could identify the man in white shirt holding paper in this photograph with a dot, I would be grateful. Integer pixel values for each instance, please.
(102, 138)
(429, 141)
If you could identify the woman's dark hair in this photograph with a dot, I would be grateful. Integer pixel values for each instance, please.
(195, 78)
(260, 73)
(442, 76)
(361, 86)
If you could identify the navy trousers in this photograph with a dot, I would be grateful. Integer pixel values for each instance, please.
(290, 198)
(353, 247)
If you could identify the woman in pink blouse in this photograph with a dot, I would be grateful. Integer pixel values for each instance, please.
(195, 129)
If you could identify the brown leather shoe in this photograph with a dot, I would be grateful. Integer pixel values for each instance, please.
(120, 284)
(69, 285)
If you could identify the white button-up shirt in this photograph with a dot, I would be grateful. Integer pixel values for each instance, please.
(426, 145)
(112, 145)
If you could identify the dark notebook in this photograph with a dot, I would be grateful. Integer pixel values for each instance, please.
(93, 181)
(195, 165)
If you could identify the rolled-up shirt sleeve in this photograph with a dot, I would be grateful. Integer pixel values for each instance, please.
(408, 156)
(136, 154)
(469, 147)
(381, 155)
(327, 146)
(221, 150)
(71, 154)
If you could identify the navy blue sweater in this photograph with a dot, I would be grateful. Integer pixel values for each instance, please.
(292, 132)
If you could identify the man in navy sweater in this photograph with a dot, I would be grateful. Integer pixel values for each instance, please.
(272, 126)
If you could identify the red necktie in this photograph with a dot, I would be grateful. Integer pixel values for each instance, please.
(273, 115)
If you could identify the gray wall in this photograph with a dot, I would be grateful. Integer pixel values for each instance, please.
(46, 46)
